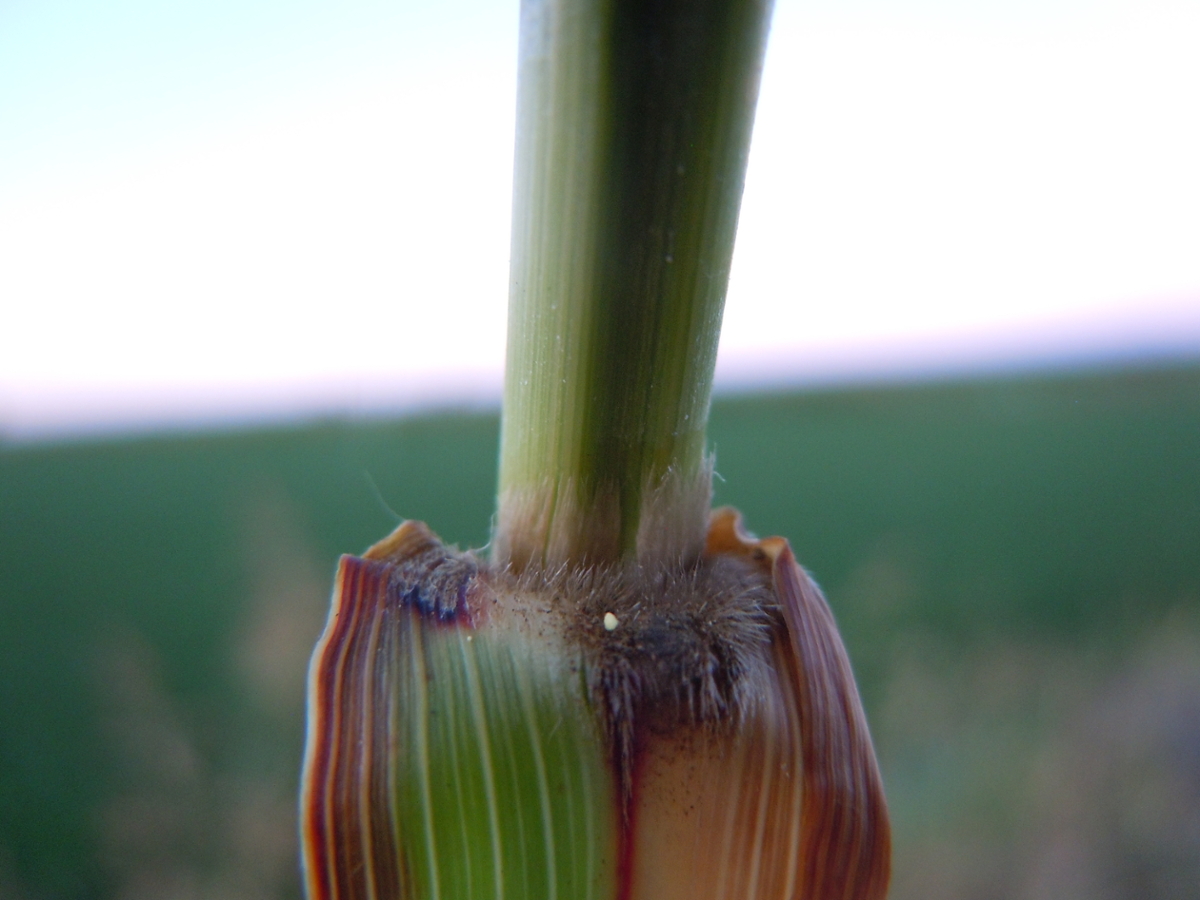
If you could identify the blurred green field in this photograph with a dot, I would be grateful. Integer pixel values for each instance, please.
(1015, 565)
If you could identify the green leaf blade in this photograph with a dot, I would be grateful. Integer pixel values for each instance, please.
(469, 763)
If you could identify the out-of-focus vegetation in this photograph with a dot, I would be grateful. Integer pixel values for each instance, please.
(1015, 565)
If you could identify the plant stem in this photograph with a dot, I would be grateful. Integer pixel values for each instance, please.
(633, 128)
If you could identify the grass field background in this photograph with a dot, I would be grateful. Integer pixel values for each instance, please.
(1015, 565)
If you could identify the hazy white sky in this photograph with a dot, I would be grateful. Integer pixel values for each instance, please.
(230, 209)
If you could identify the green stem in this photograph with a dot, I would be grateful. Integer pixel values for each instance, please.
(633, 127)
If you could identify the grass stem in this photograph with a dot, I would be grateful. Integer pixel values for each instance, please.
(633, 128)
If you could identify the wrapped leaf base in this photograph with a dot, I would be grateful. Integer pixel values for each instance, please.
(610, 733)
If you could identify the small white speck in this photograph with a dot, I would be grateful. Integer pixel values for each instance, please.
(610, 622)
(469, 637)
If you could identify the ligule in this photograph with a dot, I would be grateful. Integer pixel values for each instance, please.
(457, 751)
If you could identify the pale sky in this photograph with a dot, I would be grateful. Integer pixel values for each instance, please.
(234, 210)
